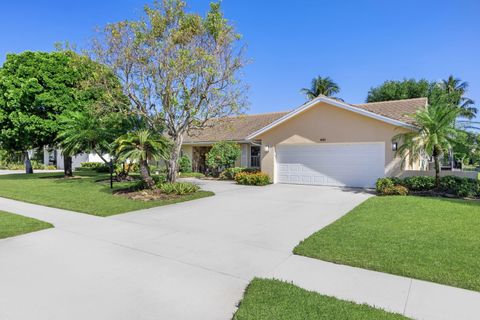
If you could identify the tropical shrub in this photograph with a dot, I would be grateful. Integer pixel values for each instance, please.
(223, 155)
(178, 188)
(230, 173)
(184, 164)
(95, 166)
(383, 184)
(418, 183)
(397, 190)
(252, 179)
(461, 187)
(457, 186)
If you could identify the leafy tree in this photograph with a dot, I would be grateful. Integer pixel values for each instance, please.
(34, 88)
(37, 87)
(321, 86)
(141, 146)
(450, 91)
(223, 155)
(399, 90)
(178, 69)
(435, 137)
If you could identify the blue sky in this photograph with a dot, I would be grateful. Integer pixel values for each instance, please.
(357, 43)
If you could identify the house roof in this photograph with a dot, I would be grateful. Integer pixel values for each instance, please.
(397, 109)
(235, 128)
(247, 127)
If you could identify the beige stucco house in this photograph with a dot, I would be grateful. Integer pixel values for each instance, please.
(323, 142)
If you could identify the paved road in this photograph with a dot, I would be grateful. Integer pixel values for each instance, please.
(185, 261)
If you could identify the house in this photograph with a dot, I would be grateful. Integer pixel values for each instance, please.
(323, 142)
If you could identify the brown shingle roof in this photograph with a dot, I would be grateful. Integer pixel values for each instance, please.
(239, 127)
(232, 128)
(401, 110)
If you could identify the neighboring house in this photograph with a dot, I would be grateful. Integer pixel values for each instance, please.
(55, 157)
(322, 142)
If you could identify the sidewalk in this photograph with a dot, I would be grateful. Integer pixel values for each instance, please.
(413, 298)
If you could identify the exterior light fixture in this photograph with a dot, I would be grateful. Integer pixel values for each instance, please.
(266, 148)
(394, 146)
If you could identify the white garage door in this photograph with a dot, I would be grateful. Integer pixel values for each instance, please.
(351, 165)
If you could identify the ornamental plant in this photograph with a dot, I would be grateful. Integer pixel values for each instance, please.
(223, 155)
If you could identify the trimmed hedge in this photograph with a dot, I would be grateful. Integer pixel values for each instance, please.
(457, 186)
(252, 179)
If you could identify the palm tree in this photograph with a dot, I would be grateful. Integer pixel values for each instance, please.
(321, 86)
(456, 89)
(82, 132)
(435, 136)
(141, 146)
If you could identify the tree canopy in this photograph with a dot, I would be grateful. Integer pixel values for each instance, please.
(451, 91)
(178, 69)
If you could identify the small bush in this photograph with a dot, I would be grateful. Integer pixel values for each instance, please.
(418, 183)
(383, 184)
(184, 164)
(397, 190)
(252, 179)
(96, 166)
(230, 173)
(179, 188)
(198, 175)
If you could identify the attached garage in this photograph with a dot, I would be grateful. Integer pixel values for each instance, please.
(352, 165)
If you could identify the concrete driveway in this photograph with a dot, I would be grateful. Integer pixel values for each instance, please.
(185, 261)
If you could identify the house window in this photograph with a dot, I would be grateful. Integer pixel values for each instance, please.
(255, 156)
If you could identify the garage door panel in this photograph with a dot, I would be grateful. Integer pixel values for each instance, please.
(355, 165)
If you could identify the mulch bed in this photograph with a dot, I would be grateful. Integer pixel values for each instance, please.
(145, 195)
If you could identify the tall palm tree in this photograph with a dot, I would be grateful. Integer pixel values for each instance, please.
(456, 89)
(321, 86)
(435, 136)
(141, 146)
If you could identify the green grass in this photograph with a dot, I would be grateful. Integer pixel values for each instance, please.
(14, 225)
(82, 194)
(433, 239)
(276, 300)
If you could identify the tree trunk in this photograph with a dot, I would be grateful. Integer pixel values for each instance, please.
(67, 166)
(437, 168)
(28, 163)
(172, 163)
(145, 174)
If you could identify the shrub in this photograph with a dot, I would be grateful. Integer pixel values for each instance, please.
(184, 164)
(179, 188)
(159, 179)
(96, 166)
(417, 183)
(191, 175)
(461, 187)
(397, 190)
(230, 173)
(252, 179)
(383, 184)
(223, 154)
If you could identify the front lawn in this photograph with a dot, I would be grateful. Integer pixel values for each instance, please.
(277, 300)
(14, 225)
(82, 194)
(434, 239)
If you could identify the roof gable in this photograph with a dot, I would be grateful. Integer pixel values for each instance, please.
(363, 109)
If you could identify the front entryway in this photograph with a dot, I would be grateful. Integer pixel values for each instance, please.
(199, 158)
(350, 165)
